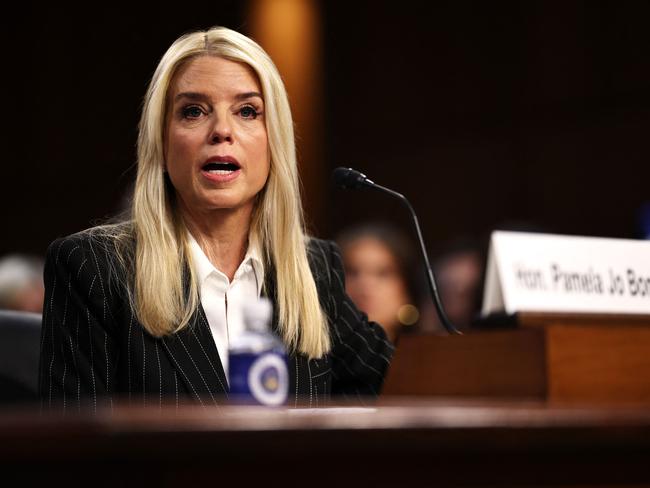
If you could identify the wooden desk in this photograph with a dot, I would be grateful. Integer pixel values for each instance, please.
(559, 359)
(397, 443)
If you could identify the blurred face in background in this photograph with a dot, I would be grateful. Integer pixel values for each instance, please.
(459, 276)
(375, 283)
(21, 283)
(459, 279)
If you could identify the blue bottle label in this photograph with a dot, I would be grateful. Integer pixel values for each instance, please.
(259, 378)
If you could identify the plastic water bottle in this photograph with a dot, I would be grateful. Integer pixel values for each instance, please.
(258, 360)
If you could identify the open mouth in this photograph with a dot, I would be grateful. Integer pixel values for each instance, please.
(219, 168)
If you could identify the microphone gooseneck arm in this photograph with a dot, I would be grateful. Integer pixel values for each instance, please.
(351, 179)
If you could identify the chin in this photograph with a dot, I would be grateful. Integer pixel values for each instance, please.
(228, 204)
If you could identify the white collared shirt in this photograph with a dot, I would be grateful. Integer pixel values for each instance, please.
(223, 300)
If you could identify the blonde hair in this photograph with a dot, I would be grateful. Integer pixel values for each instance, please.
(163, 268)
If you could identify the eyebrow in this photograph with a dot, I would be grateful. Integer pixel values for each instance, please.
(244, 96)
(203, 96)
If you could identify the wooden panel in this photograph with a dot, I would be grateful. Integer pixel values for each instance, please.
(598, 364)
(497, 364)
(290, 33)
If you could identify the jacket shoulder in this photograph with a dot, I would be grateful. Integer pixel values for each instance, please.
(321, 250)
(323, 253)
(326, 264)
(105, 252)
(101, 239)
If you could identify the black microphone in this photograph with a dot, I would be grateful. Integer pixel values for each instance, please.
(349, 178)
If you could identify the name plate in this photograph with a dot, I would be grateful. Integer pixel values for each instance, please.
(553, 273)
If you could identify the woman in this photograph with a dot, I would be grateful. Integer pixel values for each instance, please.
(145, 308)
(379, 275)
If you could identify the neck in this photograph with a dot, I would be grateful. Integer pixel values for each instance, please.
(222, 235)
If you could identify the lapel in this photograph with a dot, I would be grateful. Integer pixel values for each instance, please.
(195, 356)
(299, 370)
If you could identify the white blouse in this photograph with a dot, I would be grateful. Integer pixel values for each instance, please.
(223, 300)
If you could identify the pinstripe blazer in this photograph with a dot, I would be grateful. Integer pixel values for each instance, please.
(93, 349)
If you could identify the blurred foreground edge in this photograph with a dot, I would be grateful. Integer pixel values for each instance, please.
(397, 443)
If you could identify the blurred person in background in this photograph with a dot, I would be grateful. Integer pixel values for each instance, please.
(21, 283)
(379, 275)
(459, 272)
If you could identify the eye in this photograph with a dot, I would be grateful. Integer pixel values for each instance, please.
(248, 112)
(192, 112)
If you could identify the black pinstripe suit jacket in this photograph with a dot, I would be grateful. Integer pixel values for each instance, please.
(94, 350)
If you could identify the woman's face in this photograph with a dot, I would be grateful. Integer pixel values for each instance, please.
(374, 282)
(216, 147)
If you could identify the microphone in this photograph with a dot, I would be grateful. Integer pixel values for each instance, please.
(349, 178)
(352, 179)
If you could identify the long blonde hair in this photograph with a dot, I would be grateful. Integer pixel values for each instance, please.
(162, 259)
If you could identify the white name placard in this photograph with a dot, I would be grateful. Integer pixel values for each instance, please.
(554, 273)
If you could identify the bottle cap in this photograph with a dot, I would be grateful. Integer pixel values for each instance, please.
(258, 314)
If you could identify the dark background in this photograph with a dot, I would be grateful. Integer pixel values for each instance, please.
(485, 114)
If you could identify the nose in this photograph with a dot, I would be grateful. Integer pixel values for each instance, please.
(221, 130)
